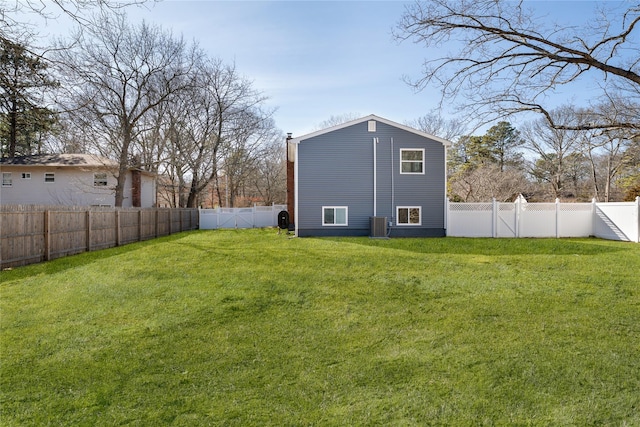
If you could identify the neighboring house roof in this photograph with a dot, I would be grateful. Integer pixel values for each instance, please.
(366, 119)
(60, 160)
(66, 160)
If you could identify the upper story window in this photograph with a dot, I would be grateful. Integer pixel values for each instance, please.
(26, 175)
(411, 161)
(409, 215)
(49, 177)
(100, 179)
(335, 215)
(7, 181)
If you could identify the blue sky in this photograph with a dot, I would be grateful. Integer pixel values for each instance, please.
(313, 59)
(317, 59)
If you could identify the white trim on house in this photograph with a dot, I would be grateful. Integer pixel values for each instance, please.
(367, 119)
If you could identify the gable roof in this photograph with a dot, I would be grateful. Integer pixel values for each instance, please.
(60, 160)
(299, 139)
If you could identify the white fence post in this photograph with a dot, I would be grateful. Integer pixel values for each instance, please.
(518, 205)
(638, 218)
(495, 212)
(594, 212)
(557, 217)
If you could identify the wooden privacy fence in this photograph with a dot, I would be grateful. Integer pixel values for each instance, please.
(31, 234)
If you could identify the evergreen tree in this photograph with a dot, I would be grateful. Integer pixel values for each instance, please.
(23, 81)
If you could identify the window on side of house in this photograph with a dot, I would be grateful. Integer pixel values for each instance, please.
(335, 215)
(49, 177)
(26, 175)
(7, 181)
(409, 215)
(412, 161)
(100, 179)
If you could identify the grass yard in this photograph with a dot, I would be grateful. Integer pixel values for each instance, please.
(247, 327)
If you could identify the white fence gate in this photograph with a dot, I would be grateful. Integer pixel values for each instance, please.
(255, 217)
(614, 221)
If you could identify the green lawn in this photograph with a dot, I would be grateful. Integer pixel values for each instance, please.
(253, 328)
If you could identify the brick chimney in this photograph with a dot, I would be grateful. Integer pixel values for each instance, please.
(136, 188)
(291, 202)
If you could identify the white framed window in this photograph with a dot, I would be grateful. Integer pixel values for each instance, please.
(7, 181)
(49, 177)
(100, 179)
(409, 215)
(26, 175)
(412, 161)
(335, 215)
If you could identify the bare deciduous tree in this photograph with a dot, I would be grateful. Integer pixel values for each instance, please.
(553, 146)
(486, 183)
(435, 124)
(337, 120)
(506, 59)
(117, 74)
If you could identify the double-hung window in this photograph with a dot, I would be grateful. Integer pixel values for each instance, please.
(412, 161)
(49, 177)
(335, 215)
(409, 215)
(7, 181)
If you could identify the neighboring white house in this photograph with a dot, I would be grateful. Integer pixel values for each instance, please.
(72, 180)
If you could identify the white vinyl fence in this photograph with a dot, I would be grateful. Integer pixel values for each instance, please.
(255, 217)
(613, 221)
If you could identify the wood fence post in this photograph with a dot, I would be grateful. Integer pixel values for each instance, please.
(118, 234)
(139, 224)
(88, 230)
(157, 219)
(47, 236)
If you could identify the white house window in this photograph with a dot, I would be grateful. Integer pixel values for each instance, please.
(26, 175)
(411, 161)
(100, 179)
(335, 215)
(6, 179)
(49, 177)
(409, 215)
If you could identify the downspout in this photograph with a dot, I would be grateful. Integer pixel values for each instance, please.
(296, 185)
(446, 198)
(375, 178)
(393, 187)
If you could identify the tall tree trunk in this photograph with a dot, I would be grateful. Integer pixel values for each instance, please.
(123, 165)
(13, 127)
(193, 192)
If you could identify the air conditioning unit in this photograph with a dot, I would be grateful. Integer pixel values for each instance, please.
(378, 226)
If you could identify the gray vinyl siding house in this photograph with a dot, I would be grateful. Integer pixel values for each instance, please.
(370, 167)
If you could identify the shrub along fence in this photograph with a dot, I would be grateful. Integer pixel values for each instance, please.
(31, 234)
(612, 221)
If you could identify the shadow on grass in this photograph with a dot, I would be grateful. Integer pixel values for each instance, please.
(486, 246)
(64, 263)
